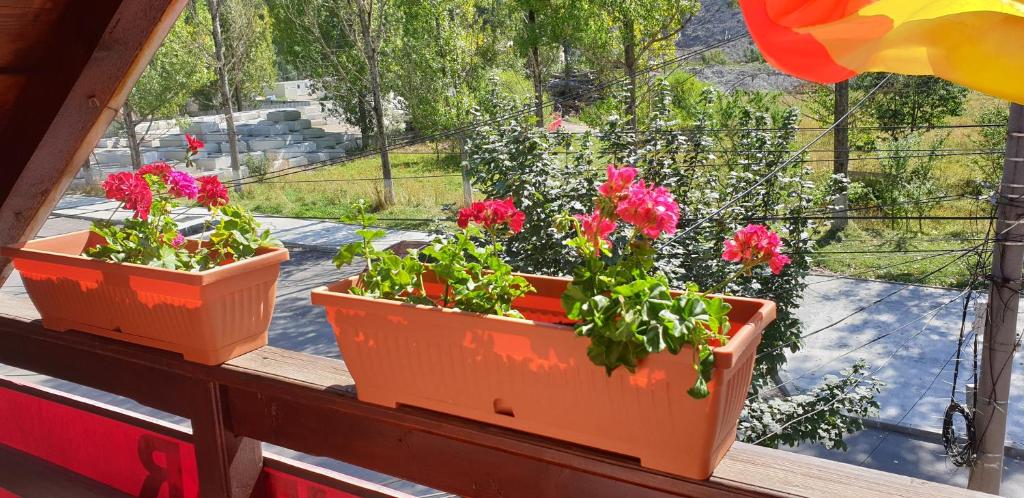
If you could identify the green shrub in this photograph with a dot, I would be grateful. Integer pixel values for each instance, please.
(687, 95)
(715, 57)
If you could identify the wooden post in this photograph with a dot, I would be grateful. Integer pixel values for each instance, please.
(228, 465)
(1000, 340)
(841, 153)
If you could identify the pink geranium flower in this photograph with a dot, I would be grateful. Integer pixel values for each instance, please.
(492, 213)
(754, 245)
(132, 191)
(652, 210)
(179, 240)
(619, 181)
(596, 228)
(182, 184)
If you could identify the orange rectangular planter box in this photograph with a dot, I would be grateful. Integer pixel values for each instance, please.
(209, 317)
(534, 374)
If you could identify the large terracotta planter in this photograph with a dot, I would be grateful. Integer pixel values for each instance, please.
(534, 375)
(209, 317)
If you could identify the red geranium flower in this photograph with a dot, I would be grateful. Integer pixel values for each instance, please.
(160, 170)
(212, 192)
(194, 144)
(652, 210)
(492, 213)
(556, 124)
(132, 191)
(619, 181)
(754, 245)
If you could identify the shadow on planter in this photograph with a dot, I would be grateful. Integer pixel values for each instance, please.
(209, 317)
(534, 375)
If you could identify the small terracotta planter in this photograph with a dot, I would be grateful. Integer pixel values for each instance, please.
(209, 317)
(534, 374)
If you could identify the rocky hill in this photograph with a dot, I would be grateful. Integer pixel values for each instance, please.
(737, 65)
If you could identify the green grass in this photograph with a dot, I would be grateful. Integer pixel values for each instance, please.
(956, 175)
(329, 192)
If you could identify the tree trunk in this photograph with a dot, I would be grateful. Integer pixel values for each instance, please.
(841, 152)
(239, 104)
(378, 107)
(629, 48)
(365, 126)
(225, 92)
(128, 118)
(567, 63)
(467, 185)
(87, 172)
(535, 72)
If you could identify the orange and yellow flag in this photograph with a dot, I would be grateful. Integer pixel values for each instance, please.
(976, 43)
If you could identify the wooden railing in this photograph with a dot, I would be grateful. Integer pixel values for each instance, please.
(308, 404)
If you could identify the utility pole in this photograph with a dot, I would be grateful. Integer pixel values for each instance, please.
(1001, 323)
(841, 153)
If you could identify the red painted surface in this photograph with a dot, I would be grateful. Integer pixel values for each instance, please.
(125, 457)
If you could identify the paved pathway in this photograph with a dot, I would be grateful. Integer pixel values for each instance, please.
(908, 338)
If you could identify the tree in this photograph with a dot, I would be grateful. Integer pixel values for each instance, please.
(171, 78)
(435, 62)
(647, 29)
(249, 48)
(907, 104)
(346, 40)
(224, 85)
(541, 30)
(309, 37)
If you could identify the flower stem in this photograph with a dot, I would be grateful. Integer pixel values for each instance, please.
(721, 285)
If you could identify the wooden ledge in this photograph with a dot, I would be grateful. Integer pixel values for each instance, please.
(307, 403)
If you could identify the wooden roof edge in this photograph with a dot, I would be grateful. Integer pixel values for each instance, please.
(126, 46)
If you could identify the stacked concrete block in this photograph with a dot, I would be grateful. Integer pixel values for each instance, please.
(284, 115)
(264, 130)
(178, 154)
(290, 151)
(325, 155)
(294, 162)
(172, 141)
(325, 142)
(201, 127)
(156, 126)
(213, 162)
(266, 143)
(113, 156)
(284, 137)
(313, 133)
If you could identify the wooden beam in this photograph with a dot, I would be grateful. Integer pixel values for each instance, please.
(229, 465)
(127, 44)
(308, 404)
